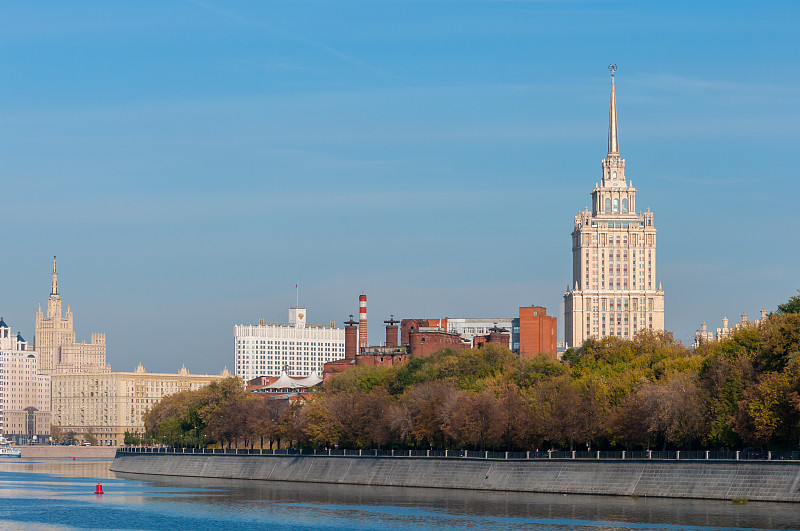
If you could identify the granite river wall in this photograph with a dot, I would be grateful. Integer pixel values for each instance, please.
(726, 480)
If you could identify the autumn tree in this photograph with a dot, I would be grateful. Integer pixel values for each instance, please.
(766, 412)
(477, 419)
(423, 404)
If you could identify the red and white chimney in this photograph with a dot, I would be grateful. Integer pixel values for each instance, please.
(362, 321)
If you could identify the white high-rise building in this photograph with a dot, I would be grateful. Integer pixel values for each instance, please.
(614, 291)
(24, 393)
(301, 349)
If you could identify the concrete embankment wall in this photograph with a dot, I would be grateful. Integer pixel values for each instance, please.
(767, 481)
(58, 451)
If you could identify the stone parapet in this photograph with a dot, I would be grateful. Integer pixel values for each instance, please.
(725, 480)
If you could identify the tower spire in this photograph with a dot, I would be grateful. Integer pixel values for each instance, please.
(54, 288)
(613, 139)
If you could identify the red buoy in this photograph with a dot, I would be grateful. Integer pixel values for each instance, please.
(99, 489)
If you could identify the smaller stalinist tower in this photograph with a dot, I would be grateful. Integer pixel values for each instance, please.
(614, 291)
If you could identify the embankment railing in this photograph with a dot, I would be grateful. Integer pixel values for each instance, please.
(680, 455)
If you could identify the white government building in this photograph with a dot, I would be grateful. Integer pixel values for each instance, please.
(266, 349)
(614, 290)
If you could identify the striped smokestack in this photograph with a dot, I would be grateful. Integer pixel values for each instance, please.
(362, 321)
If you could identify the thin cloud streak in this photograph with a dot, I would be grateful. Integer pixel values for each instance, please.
(235, 17)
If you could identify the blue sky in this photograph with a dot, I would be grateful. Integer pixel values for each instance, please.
(189, 162)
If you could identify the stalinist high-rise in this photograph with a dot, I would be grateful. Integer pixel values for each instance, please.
(55, 340)
(614, 291)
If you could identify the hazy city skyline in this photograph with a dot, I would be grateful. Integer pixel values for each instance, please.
(189, 163)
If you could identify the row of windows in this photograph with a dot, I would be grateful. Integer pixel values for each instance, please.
(620, 332)
(620, 286)
(270, 342)
(609, 239)
(620, 303)
(616, 205)
(623, 256)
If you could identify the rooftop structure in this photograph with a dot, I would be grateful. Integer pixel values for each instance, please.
(299, 349)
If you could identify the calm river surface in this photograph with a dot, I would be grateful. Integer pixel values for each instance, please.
(59, 494)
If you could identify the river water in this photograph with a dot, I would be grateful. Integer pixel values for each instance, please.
(56, 494)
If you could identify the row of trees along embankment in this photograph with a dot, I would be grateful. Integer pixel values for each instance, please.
(650, 392)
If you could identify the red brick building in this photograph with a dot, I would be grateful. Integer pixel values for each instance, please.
(407, 326)
(419, 343)
(426, 342)
(537, 332)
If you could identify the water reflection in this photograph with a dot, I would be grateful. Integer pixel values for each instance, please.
(59, 494)
(570, 510)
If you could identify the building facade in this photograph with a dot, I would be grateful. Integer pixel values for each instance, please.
(55, 340)
(536, 332)
(24, 393)
(422, 341)
(614, 290)
(108, 404)
(266, 349)
(468, 328)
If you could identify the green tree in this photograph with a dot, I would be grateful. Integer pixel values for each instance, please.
(131, 439)
(211, 414)
(724, 381)
(779, 341)
(790, 306)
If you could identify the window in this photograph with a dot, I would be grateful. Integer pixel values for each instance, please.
(625, 207)
(608, 205)
(616, 205)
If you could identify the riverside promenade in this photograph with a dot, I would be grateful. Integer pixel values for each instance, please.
(698, 475)
(60, 452)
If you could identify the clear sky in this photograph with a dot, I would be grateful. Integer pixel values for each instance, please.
(190, 161)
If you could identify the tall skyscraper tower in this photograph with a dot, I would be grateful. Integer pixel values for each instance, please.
(614, 291)
(55, 340)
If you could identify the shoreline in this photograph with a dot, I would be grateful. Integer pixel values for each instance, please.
(775, 481)
(61, 452)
